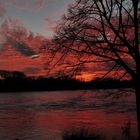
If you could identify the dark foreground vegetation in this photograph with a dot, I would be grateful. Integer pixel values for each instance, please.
(17, 81)
(81, 135)
(85, 134)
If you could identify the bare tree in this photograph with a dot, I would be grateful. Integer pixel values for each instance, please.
(103, 31)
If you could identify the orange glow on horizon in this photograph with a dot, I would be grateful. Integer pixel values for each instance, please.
(89, 76)
(84, 76)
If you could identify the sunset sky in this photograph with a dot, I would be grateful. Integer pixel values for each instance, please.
(39, 16)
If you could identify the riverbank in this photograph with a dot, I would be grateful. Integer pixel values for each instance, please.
(57, 84)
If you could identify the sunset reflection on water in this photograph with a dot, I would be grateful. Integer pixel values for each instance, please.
(47, 115)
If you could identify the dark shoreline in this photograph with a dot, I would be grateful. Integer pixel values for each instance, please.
(51, 84)
(15, 81)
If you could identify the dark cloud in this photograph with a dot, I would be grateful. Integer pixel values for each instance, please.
(24, 49)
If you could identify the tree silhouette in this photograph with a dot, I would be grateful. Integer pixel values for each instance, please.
(103, 31)
(11, 74)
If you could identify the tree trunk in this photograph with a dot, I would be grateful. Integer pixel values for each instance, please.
(137, 92)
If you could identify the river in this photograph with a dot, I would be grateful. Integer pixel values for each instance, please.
(47, 115)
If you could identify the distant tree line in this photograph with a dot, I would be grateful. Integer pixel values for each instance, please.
(16, 81)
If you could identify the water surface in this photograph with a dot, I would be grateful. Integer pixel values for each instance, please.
(47, 115)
